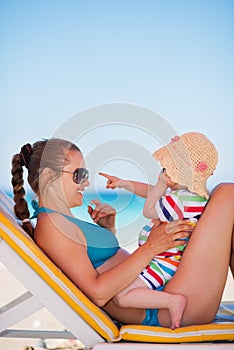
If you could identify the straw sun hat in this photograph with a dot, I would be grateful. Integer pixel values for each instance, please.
(189, 160)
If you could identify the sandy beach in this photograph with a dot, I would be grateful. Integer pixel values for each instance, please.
(44, 320)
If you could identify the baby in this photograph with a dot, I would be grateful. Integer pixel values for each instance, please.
(180, 193)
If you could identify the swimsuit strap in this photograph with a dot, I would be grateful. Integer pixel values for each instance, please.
(38, 209)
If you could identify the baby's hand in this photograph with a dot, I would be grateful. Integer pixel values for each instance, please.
(112, 181)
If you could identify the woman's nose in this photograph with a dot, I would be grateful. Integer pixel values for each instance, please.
(86, 183)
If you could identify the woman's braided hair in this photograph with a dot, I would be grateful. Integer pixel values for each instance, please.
(43, 154)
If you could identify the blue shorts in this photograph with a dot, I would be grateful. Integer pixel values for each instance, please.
(151, 315)
(151, 318)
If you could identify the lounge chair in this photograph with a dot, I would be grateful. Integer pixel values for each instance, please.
(48, 287)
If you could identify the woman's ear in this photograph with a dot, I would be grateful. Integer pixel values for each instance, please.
(47, 172)
(47, 175)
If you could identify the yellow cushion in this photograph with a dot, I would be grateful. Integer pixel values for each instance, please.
(201, 333)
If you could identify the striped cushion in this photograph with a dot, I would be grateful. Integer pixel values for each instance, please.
(191, 334)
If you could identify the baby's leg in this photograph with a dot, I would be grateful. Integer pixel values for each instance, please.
(138, 295)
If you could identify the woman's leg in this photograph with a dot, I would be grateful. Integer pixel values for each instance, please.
(202, 273)
(232, 255)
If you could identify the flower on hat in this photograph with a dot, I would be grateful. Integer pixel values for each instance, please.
(201, 167)
(175, 138)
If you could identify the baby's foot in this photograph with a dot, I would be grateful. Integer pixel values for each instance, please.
(176, 310)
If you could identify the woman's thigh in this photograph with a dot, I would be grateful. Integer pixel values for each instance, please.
(202, 273)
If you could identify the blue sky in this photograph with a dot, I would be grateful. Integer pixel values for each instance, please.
(60, 57)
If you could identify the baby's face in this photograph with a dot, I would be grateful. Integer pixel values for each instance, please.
(166, 179)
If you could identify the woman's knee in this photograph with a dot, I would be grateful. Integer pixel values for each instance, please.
(119, 300)
(224, 189)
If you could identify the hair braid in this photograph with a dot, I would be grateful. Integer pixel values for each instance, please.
(21, 205)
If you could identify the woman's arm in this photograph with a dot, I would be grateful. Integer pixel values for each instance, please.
(73, 259)
(139, 188)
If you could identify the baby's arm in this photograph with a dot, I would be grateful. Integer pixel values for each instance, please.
(157, 191)
(139, 188)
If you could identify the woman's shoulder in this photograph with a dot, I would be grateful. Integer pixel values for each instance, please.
(54, 225)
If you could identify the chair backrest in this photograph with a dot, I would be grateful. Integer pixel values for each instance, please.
(7, 203)
(25, 247)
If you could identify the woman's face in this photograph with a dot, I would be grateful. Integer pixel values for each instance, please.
(73, 192)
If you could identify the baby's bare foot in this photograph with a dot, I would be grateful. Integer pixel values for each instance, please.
(176, 310)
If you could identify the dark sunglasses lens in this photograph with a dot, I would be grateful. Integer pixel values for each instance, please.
(80, 175)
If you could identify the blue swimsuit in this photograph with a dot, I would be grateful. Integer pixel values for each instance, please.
(101, 243)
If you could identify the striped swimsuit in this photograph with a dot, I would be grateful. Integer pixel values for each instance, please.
(174, 205)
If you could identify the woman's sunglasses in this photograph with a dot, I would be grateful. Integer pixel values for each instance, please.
(80, 175)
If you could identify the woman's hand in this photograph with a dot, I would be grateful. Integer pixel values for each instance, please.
(164, 236)
(112, 181)
(103, 214)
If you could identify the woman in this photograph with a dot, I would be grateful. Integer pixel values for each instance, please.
(90, 255)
